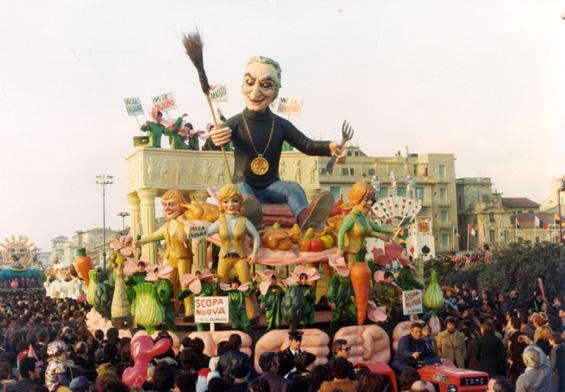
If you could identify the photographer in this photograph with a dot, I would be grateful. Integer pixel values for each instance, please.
(413, 352)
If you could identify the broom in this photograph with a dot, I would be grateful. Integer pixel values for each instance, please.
(193, 45)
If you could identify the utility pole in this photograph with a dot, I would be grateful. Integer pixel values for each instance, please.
(104, 180)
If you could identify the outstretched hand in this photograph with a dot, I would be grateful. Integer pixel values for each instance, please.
(342, 153)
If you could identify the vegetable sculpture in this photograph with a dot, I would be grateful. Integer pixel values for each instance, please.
(103, 295)
(294, 307)
(146, 308)
(83, 264)
(433, 296)
(91, 291)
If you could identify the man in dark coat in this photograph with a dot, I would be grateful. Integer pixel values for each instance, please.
(413, 352)
(29, 375)
(490, 351)
(286, 357)
(233, 357)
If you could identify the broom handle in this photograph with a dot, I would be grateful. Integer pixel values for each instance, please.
(222, 147)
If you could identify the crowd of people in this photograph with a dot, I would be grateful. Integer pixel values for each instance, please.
(46, 346)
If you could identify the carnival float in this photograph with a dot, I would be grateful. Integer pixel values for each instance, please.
(221, 257)
(19, 268)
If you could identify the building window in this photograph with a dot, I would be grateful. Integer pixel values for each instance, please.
(401, 191)
(370, 172)
(420, 192)
(344, 171)
(443, 194)
(506, 235)
(491, 236)
(491, 217)
(335, 191)
(383, 192)
(445, 241)
(530, 211)
(323, 171)
(441, 170)
(443, 217)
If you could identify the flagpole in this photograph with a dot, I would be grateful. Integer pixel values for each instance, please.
(468, 238)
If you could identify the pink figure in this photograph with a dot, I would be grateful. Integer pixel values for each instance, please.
(143, 349)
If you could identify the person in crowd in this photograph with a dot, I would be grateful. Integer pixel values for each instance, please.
(500, 384)
(412, 350)
(269, 364)
(233, 358)
(370, 382)
(537, 376)
(557, 361)
(408, 377)
(29, 375)
(422, 386)
(516, 347)
(450, 344)
(318, 375)
(490, 351)
(240, 376)
(261, 385)
(340, 369)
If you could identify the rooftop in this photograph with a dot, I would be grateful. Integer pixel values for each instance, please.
(519, 202)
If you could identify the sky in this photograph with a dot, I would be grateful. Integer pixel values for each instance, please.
(481, 79)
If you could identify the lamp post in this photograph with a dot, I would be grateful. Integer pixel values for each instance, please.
(123, 215)
(104, 179)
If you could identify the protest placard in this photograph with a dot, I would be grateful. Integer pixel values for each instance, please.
(211, 310)
(290, 106)
(412, 302)
(218, 93)
(164, 102)
(133, 106)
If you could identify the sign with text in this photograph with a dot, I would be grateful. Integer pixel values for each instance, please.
(211, 310)
(412, 302)
(218, 93)
(164, 102)
(197, 232)
(290, 106)
(133, 106)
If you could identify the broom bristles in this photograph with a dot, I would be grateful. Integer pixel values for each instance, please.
(193, 45)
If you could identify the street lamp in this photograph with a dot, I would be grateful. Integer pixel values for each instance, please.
(123, 215)
(104, 180)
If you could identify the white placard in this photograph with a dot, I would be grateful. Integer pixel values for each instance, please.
(218, 93)
(211, 310)
(197, 232)
(412, 302)
(164, 102)
(290, 106)
(133, 106)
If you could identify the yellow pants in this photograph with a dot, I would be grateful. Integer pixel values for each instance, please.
(225, 265)
(182, 268)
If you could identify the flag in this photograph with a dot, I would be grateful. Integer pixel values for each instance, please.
(471, 230)
(539, 223)
(484, 231)
(456, 232)
(516, 223)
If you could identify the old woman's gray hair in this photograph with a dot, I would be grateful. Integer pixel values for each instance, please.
(269, 61)
(534, 357)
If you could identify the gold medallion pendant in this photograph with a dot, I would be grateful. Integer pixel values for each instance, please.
(259, 165)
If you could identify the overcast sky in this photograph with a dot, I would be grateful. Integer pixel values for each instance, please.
(482, 79)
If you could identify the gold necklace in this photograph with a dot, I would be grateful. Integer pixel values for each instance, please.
(259, 165)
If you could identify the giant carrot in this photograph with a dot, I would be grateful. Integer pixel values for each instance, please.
(361, 282)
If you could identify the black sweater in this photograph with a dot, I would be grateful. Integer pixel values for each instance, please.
(260, 127)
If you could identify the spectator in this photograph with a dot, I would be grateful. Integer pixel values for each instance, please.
(537, 376)
(163, 378)
(269, 364)
(516, 347)
(499, 384)
(450, 344)
(490, 351)
(422, 386)
(408, 377)
(79, 384)
(184, 382)
(261, 385)
(287, 356)
(557, 361)
(29, 373)
(371, 382)
(303, 365)
(318, 375)
(340, 370)
(232, 358)
(240, 379)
